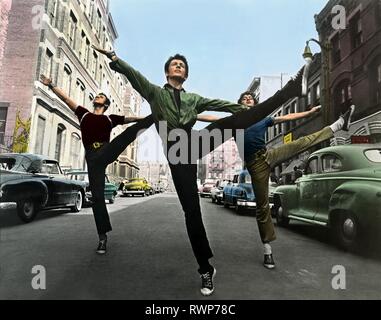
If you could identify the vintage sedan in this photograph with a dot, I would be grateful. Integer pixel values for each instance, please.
(217, 193)
(340, 189)
(240, 193)
(35, 183)
(206, 190)
(110, 192)
(136, 186)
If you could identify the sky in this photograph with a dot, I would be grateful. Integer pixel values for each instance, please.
(227, 42)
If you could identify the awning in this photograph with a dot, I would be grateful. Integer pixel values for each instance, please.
(290, 169)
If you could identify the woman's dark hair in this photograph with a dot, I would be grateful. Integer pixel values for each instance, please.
(177, 57)
(248, 93)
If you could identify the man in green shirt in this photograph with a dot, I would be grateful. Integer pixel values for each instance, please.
(180, 110)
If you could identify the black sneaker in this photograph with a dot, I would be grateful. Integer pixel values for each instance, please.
(348, 118)
(207, 287)
(102, 247)
(269, 261)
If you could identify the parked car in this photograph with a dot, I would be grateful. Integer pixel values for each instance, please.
(111, 189)
(340, 189)
(206, 190)
(240, 193)
(136, 186)
(37, 183)
(217, 193)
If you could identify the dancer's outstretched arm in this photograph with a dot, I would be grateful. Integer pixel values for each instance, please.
(145, 88)
(219, 105)
(207, 118)
(59, 92)
(128, 120)
(296, 116)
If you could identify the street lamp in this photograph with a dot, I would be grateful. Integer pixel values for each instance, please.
(307, 55)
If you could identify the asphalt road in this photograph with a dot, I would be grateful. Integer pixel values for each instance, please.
(150, 257)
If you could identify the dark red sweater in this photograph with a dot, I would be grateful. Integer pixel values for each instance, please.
(96, 128)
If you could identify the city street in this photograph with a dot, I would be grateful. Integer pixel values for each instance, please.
(150, 257)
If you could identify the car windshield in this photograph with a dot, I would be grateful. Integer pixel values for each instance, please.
(136, 181)
(374, 155)
(80, 177)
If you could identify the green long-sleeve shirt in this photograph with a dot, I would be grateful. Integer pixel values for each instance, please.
(163, 104)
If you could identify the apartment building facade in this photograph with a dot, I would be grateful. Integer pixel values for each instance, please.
(54, 37)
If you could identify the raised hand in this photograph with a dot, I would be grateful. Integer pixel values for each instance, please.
(45, 80)
(315, 109)
(108, 54)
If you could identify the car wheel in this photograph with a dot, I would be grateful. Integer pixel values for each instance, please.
(281, 219)
(239, 210)
(27, 210)
(112, 200)
(78, 202)
(346, 231)
(219, 201)
(213, 200)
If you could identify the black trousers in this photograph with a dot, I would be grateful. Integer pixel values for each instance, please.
(97, 162)
(185, 180)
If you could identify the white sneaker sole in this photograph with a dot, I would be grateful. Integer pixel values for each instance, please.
(207, 292)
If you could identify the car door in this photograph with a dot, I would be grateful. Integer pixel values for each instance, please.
(60, 188)
(306, 189)
(326, 184)
(228, 190)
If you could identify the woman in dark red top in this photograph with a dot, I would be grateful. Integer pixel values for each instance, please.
(96, 129)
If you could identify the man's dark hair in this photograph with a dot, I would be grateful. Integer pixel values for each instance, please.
(177, 57)
(248, 93)
(107, 102)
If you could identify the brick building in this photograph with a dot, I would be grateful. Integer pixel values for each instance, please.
(54, 37)
(355, 65)
(354, 57)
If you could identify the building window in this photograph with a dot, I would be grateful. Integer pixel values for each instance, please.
(375, 81)
(356, 31)
(3, 121)
(85, 50)
(81, 90)
(309, 98)
(72, 32)
(91, 100)
(41, 124)
(336, 49)
(342, 97)
(99, 26)
(317, 93)
(60, 142)
(49, 63)
(75, 149)
(52, 10)
(287, 124)
(67, 79)
(94, 66)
